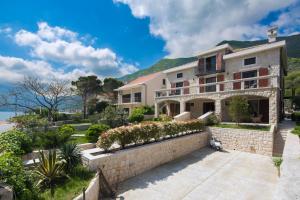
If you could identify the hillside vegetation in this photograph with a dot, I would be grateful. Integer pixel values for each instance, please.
(293, 47)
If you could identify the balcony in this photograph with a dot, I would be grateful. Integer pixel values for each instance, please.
(224, 86)
(134, 100)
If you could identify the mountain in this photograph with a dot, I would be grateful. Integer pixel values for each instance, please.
(161, 65)
(293, 47)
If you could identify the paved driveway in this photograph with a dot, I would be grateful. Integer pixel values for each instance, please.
(205, 174)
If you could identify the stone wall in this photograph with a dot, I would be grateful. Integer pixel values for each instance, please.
(92, 192)
(253, 141)
(127, 163)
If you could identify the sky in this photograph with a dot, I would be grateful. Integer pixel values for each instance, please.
(112, 38)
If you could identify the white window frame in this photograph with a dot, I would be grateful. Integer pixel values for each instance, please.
(250, 64)
(179, 73)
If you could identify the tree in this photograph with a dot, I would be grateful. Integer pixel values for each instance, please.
(109, 85)
(87, 87)
(238, 108)
(293, 83)
(32, 93)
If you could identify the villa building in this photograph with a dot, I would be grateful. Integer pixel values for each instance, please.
(220, 73)
(191, 90)
(139, 92)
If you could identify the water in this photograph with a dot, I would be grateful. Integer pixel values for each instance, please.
(5, 115)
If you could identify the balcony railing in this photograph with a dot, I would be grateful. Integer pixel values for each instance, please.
(224, 86)
(134, 100)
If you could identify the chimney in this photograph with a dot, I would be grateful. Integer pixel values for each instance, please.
(272, 33)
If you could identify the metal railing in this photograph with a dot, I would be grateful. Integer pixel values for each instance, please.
(224, 86)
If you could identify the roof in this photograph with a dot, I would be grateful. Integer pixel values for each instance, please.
(182, 67)
(217, 48)
(254, 49)
(139, 81)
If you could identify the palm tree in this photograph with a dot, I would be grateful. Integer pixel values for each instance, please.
(71, 154)
(49, 169)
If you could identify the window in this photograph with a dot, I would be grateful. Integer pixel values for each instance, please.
(138, 97)
(210, 88)
(250, 61)
(178, 85)
(164, 81)
(250, 83)
(179, 75)
(210, 64)
(126, 98)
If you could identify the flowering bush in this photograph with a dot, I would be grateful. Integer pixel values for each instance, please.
(145, 132)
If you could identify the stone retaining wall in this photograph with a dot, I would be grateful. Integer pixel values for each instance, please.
(127, 163)
(253, 141)
(92, 192)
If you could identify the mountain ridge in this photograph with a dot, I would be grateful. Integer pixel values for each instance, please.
(293, 51)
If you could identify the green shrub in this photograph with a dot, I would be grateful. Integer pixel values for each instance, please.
(148, 110)
(277, 161)
(71, 154)
(77, 117)
(145, 132)
(12, 173)
(137, 115)
(95, 131)
(54, 139)
(16, 142)
(296, 131)
(163, 118)
(212, 120)
(296, 116)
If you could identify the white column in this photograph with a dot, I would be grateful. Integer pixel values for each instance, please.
(218, 108)
(168, 109)
(131, 96)
(156, 110)
(182, 106)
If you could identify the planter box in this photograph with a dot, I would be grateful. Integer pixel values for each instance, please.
(127, 163)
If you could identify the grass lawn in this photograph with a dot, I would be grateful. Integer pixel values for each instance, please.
(79, 140)
(249, 127)
(70, 188)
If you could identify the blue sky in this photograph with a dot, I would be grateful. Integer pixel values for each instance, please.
(67, 39)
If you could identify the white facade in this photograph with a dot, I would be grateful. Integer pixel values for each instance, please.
(220, 73)
(144, 87)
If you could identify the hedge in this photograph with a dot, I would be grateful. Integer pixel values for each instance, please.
(145, 132)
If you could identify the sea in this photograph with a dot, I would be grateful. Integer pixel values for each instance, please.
(5, 115)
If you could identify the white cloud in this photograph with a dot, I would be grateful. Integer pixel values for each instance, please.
(5, 30)
(56, 44)
(14, 69)
(193, 25)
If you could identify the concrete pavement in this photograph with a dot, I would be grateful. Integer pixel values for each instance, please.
(205, 174)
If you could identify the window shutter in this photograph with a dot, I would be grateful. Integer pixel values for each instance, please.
(173, 85)
(201, 81)
(201, 66)
(237, 85)
(185, 84)
(220, 78)
(219, 62)
(263, 72)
